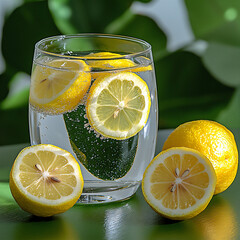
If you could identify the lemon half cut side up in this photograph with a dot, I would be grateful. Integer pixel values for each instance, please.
(214, 141)
(45, 180)
(179, 183)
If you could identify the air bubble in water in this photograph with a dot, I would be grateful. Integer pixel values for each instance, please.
(69, 52)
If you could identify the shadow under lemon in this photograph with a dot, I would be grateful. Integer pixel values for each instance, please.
(173, 230)
(18, 224)
(52, 228)
(9, 210)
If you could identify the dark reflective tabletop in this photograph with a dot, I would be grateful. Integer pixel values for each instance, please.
(130, 219)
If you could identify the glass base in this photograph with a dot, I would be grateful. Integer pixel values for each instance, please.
(106, 192)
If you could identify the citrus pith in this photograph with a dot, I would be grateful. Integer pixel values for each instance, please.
(45, 180)
(214, 141)
(179, 183)
(118, 105)
(59, 85)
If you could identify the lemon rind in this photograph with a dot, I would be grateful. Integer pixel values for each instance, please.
(41, 200)
(92, 105)
(178, 214)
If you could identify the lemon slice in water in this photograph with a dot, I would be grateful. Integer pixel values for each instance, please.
(118, 105)
(106, 63)
(59, 86)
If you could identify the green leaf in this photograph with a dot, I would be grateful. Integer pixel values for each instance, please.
(14, 126)
(228, 33)
(223, 62)
(230, 116)
(217, 20)
(143, 1)
(25, 26)
(18, 92)
(206, 16)
(186, 91)
(106, 159)
(79, 16)
(140, 27)
(25, 1)
(8, 155)
(4, 79)
(19, 99)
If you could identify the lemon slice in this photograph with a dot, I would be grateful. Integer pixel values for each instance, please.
(45, 180)
(108, 64)
(179, 183)
(59, 86)
(112, 64)
(118, 105)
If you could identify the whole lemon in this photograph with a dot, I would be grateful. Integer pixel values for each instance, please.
(214, 141)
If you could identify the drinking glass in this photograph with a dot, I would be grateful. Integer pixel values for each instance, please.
(95, 96)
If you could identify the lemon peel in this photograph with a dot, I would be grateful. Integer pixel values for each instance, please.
(214, 141)
(118, 105)
(59, 86)
(179, 183)
(45, 180)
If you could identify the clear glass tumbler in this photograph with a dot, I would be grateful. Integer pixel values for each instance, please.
(95, 96)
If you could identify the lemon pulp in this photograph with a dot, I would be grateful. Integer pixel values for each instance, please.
(59, 86)
(118, 105)
(45, 180)
(106, 63)
(214, 141)
(179, 183)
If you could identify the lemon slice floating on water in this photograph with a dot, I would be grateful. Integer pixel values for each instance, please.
(45, 180)
(59, 86)
(106, 63)
(118, 105)
(179, 183)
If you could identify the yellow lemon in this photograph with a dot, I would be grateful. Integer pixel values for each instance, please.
(45, 180)
(59, 86)
(214, 141)
(179, 183)
(118, 105)
(104, 63)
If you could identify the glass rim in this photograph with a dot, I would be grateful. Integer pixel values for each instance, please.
(100, 35)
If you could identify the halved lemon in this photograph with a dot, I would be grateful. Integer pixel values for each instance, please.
(59, 85)
(104, 63)
(179, 183)
(118, 105)
(45, 180)
(214, 141)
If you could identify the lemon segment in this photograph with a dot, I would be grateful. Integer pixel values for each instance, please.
(214, 141)
(118, 105)
(105, 63)
(179, 183)
(59, 86)
(45, 180)
(108, 64)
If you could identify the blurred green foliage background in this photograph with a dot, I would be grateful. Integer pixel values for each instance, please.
(200, 80)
